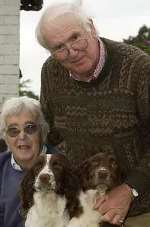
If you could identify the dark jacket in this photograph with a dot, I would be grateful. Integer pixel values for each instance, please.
(10, 180)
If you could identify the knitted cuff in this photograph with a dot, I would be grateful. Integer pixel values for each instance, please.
(139, 181)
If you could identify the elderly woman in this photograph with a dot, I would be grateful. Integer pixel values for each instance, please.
(24, 130)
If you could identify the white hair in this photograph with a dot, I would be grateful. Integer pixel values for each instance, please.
(56, 10)
(17, 105)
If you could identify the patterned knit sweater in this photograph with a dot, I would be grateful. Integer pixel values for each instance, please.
(111, 113)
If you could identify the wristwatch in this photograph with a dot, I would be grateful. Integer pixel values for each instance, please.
(134, 192)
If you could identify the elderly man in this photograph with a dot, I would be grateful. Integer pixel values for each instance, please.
(95, 96)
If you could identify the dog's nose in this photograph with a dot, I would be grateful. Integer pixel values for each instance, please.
(44, 178)
(103, 174)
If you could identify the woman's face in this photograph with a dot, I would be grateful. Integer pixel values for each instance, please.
(23, 138)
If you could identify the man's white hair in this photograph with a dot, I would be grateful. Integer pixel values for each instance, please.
(56, 10)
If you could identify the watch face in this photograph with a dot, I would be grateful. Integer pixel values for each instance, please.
(134, 192)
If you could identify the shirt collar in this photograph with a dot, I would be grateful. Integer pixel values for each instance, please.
(99, 66)
(14, 164)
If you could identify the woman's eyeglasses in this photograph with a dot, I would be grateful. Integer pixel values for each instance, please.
(30, 129)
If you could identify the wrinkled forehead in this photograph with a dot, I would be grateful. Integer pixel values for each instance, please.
(52, 15)
(61, 28)
(20, 117)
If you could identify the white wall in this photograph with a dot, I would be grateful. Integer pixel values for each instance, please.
(9, 48)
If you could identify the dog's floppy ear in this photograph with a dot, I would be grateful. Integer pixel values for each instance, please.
(84, 174)
(26, 192)
(72, 187)
(27, 185)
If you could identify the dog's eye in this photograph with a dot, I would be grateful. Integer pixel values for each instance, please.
(38, 166)
(37, 169)
(113, 163)
(56, 165)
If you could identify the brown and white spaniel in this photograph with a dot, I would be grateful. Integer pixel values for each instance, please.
(54, 194)
(50, 192)
(100, 170)
(98, 174)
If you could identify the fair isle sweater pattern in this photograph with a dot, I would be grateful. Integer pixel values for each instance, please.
(111, 113)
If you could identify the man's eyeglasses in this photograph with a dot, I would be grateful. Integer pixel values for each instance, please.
(30, 129)
(61, 53)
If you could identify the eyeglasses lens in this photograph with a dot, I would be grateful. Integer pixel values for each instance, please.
(28, 129)
(80, 44)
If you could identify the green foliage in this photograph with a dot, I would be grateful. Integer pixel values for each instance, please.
(24, 89)
(142, 40)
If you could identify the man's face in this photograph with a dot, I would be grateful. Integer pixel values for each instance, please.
(66, 35)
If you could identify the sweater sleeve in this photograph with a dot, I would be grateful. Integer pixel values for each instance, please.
(54, 138)
(140, 176)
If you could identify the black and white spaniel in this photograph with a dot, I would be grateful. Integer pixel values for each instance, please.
(54, 194)
(50, 193)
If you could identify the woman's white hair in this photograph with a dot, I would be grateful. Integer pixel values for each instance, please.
(17, 105)
(56, 10)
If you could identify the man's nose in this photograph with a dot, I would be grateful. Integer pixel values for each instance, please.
(72, 52)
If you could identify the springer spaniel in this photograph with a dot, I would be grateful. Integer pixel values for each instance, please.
(98, 174)
(100, 171)
(50, 192)
(62, 196)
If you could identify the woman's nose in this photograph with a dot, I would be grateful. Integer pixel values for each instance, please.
(22, 134)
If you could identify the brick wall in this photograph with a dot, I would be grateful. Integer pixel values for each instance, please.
(9, 48)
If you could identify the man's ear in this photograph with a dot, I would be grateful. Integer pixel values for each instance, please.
(92, 28)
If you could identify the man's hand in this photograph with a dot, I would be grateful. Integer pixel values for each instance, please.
(115, 204)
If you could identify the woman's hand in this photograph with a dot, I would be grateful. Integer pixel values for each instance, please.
(115, 204)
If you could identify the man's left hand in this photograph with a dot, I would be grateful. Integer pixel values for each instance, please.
(115, 204)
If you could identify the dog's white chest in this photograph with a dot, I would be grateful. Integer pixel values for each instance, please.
(89, 217)
(47, 211)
